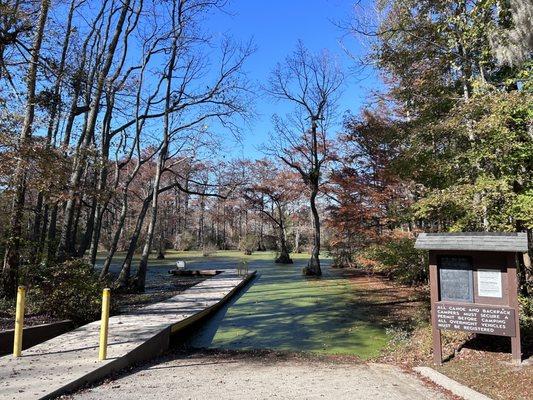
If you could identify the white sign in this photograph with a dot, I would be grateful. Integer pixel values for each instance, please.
(489, 283)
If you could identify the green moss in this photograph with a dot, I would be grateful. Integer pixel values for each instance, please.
(283, 310)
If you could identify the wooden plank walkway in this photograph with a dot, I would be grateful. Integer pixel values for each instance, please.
(70, 361)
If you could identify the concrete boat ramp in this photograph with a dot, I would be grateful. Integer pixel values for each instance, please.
(70, 361)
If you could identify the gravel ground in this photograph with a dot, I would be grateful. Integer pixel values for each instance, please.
(7, 322)
(230, 376)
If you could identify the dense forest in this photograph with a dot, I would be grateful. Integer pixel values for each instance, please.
(111, 121)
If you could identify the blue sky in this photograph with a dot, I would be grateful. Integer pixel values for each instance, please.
(276, 26)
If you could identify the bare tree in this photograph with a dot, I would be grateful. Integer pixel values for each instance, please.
(12, 254)
(128, 94)
(311, 82)
(65, 244)
(187, 105)
(270, 194)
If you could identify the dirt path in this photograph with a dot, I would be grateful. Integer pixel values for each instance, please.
(233, 376)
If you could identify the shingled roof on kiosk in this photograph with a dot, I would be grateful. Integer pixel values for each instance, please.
(473, 241)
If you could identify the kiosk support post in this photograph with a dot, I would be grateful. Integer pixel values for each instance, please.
(516, 347)
(433, 281)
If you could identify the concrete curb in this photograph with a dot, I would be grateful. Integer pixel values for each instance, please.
(447, 383)
(33, 335)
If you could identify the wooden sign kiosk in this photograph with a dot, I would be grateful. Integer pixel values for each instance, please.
(474, 284)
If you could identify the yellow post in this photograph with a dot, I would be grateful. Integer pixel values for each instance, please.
(104, 324)
(19, 321)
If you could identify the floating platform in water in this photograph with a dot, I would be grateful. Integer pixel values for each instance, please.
(194, 272)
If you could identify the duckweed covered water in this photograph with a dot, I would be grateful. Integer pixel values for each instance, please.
(283, 310)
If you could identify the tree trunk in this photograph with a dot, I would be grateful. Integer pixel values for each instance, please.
(38, 218)
(313, 267)
(95, 239)
(297, 240)
(123, 279)
(102, 182)
(78, 206)
(79, 159)
(39, 233)
(525, 268)
(200, 237)
(140, 276)
(116, 236)
(121, 220)
(89, 228)
(51, 244)
(12, 255)
(529, 264)
(284, 256)
(42, 234)
(161, 247)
